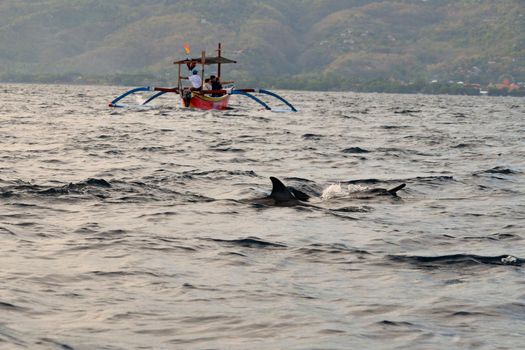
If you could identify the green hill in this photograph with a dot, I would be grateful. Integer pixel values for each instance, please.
(292, 43)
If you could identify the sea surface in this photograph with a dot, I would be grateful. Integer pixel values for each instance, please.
(138, 228)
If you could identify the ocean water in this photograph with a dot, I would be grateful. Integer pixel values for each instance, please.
(138, 228)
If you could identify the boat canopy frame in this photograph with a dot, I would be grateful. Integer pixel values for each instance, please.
(207, 60)
(203, 61)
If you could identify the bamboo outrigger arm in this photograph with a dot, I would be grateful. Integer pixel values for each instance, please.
(161, 91)
(246, 92)
(243, 92)
(115, 103)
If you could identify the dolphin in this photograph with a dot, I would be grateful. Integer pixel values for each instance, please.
(283, 196)
(385, 192)
(377, 192)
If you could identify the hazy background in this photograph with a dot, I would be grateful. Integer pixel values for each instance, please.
(292, 44)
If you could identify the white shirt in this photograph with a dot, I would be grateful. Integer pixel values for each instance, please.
(196, 81)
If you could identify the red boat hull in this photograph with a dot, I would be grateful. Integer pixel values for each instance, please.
(207, 102)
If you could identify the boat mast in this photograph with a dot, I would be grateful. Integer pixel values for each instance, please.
(203, 61)
(219, 64)
(179, 83)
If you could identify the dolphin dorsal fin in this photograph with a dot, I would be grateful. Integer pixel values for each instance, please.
(279, 191)
(394, 190)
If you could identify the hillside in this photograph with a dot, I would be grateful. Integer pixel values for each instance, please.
(316, 43)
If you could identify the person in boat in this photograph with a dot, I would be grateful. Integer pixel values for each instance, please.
(207, 84)
(215, 85)
(196, 81)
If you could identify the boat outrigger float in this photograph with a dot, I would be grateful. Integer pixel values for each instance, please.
(199, 98)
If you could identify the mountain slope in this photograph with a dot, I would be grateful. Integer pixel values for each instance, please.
(471, 40)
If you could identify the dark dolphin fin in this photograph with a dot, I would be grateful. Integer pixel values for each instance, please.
(394, 190)
(279, 191)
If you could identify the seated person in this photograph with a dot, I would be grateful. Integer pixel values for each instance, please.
(207, 85)
(215, 85)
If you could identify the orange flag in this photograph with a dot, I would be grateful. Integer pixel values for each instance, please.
(187, 48)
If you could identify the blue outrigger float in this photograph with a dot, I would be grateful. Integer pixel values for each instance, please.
(202, 99)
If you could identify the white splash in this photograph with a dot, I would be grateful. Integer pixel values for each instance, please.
(140, 99)
(331, 191)
(509, 260)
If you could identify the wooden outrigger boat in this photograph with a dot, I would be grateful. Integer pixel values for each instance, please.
(199, 98)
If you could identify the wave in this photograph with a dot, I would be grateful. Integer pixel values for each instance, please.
(249, 242)
(457, 260)
(389, 127)
(494, 237)
(406, 111)
(116, 191)
(55, 343)
(77, 187)
(355, 150)
(4, 230)
(314, 137)
(217, 174)
(498, 170)
(27, 188)
(326, 248)
(8, 306)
